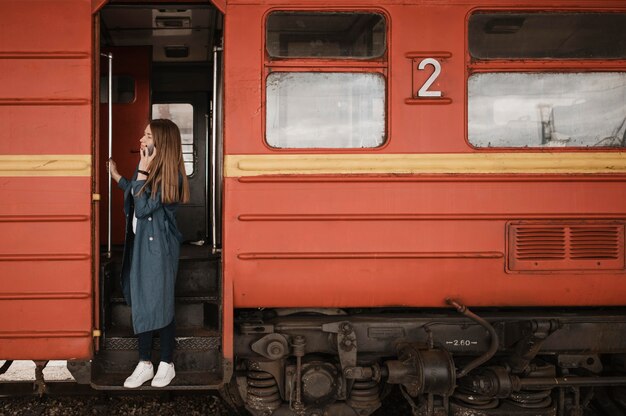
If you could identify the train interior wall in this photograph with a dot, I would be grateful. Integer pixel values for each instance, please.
(175, 49)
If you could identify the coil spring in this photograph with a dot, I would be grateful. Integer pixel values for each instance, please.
(475, 401)
(531, 399)
(263, 391)
(365, 394)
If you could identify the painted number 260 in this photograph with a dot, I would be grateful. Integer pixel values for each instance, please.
(424, 91)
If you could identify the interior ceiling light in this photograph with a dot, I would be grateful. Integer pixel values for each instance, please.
(171, 22)
(172, 10)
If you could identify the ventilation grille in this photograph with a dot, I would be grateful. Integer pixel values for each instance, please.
(534, 243)
(566, 246)
(595, 242)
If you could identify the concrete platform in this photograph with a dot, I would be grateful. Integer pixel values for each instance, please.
(25, 370)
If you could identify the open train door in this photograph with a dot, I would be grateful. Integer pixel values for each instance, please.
(151, 75)
(46, 241)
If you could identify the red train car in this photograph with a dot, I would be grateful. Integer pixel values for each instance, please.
(361, 173)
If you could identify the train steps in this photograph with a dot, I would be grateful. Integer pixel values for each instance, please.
(197, 357)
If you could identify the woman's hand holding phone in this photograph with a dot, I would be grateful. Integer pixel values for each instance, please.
(148, 154)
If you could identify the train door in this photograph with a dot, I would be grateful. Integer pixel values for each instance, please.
(162, 68)
(46, 195)
(189, 110)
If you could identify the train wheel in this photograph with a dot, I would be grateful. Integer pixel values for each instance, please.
(230, 394)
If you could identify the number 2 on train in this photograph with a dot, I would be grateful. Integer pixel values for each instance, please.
(424, 91)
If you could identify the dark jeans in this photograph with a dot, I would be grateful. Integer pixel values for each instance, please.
(166, 334)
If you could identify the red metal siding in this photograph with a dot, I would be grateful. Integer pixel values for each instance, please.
(46, 286)
(404, 242)
(395, 240)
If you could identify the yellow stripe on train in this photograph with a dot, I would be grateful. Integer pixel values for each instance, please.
(45, 165)
(455, 163)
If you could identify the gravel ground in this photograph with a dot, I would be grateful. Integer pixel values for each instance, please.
(166, 405)
(187, 405)
(163, 405)
(101, 404)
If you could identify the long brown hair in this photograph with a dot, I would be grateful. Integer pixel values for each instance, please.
(167, 166)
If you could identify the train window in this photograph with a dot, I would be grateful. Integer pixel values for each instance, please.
(182, 115)
(499, 35)
(123, 89)
(325, 110)
(300, 34)
(526, 109)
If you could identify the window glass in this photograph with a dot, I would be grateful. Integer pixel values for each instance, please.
(325, 34)
(123, 89)
(547, 35)
(182, 115)
(325, 110)
(547, 109)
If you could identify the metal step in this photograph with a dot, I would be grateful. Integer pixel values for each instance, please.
(186, 339)
(182, 343)
(197, 356)
(197, 276)
(194, 276)
(182, 381)
(180, 298)
(187, 315)
(197, 360)
(198, 270)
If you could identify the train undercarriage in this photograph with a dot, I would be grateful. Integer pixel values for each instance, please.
(544, 362)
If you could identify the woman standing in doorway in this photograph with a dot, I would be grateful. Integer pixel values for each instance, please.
(152, 245)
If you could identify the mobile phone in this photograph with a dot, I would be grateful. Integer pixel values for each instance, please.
(150, 149)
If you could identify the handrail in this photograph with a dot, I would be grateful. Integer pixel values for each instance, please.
(207, 180)
(109, 56)
(214, 249)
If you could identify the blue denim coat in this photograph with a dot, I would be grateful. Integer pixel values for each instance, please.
(150, 260)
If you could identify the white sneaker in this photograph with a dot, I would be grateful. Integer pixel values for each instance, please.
(143, 372)
(164, 374)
